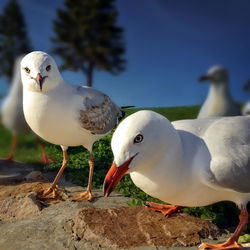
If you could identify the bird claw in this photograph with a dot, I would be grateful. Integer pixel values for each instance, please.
(223, 246)
(87, 195)
(164, 209)
(49, 194)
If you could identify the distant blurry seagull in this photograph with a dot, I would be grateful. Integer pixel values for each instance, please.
(64, 114)
(12, 112)
(246, 108)
(246, 86)
(219, 101)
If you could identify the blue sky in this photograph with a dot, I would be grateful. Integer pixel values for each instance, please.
(170, 43)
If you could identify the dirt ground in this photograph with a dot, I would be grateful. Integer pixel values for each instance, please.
(27, 222)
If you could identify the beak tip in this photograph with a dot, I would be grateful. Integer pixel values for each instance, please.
(107, 188)
(114, 175)
(203, 78)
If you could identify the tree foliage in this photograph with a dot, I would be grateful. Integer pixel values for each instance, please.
(14, 39)
(87, 37)
(246, 86)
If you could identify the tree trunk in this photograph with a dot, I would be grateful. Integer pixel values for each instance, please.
(89, 74)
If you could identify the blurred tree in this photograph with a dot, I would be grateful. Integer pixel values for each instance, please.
(246, 86)
(86, 37)
(14, 40)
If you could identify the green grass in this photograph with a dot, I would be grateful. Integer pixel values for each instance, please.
(224, 214)
(172, 113)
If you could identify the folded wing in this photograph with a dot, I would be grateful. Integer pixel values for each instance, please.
(99, 114)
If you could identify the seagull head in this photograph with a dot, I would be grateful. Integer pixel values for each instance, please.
(139, 142)
(216, 75)
(39, 72)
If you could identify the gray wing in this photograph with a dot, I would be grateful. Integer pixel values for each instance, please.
(228, 141)
(99, 114)
(195, 126)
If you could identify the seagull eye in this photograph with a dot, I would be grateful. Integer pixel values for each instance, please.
(48, 67)
(27, 70)
(138, 138)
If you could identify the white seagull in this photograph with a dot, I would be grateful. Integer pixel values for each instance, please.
(64, 114)
(186, 163)
(246, 108)
(219, 101)
(12, 113)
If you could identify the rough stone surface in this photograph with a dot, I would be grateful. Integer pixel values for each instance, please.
(128, 227)
(52, 228)
(21, 207)
(8, 191)
(60, 223)
(35, 176)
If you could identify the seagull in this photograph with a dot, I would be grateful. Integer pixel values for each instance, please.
(12, 113)
(219, 101)
(246, 108)
(187, 163)
(64, 114)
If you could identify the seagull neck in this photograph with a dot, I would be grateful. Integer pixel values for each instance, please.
(219, 89)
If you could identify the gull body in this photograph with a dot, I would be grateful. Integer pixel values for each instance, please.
(12, 108)
(219, 101)
(62, 113)
(185, 163)
(246, 108)
(12, 112)
(57, 115)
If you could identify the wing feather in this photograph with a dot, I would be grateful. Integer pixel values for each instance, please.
(99, 113)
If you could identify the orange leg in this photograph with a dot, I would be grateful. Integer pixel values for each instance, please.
(87, 194)
(45, 159)
(231, 243)
(53, 188)
(164, 209)
(13, 147)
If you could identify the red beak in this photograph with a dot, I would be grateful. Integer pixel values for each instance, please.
(114, 175)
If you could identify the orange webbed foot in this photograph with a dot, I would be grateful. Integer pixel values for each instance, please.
(164, 209)
(87, 195)
(223, 246)
(49, 194)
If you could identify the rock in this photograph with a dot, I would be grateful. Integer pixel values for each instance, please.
(13, 172)
(52, 228)
(128, 227)
(7, 191)
(20, 207)
(35, 176)
(59, 226)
